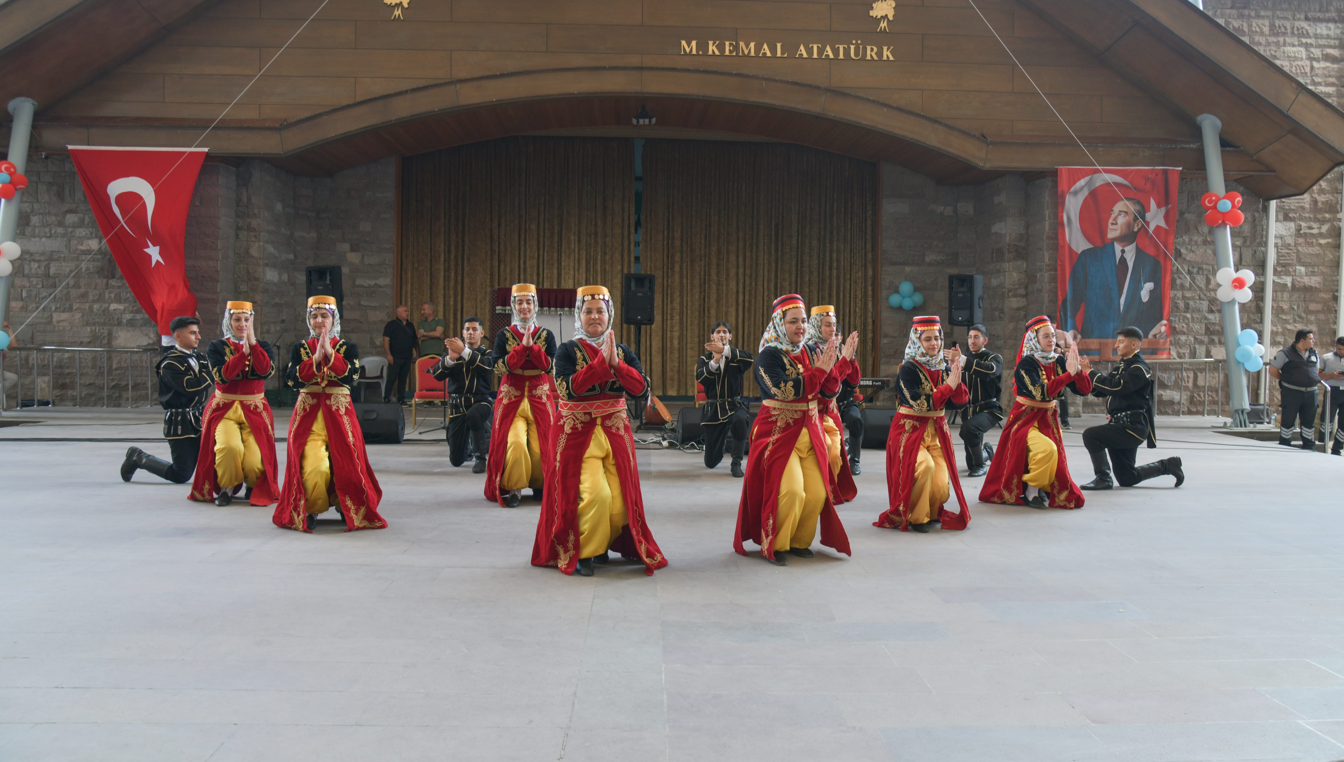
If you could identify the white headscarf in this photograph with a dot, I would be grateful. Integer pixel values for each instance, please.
(335, 320)
(522, 325)
(579, 332)
(814, 328)
(775, 335)
(227, 325)
(914, 349)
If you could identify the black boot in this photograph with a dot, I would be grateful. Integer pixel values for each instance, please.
(989, 453)
(602, 559)
(131, 463)
(156, 466)
(536, 494)
(479, 466)
(974, 463)
(1174, 468)
(737, 469)
(224, 498)
(512, 498)
(585, 568)
(1101, 466)
(802, 552)
(854, 469)
(778, 560)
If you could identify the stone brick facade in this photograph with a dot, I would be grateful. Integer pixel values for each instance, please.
(251, 233)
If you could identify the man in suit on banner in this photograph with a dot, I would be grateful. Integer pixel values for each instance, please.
(1117, 284)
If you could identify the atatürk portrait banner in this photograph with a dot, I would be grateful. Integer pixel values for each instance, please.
(1116, 237)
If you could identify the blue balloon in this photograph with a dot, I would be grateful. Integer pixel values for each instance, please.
(4, 341)
(1247, 337)
(917, 298)
(895, 301)
(4, 178)
(906, 289)
(1254, 364)
(1244, 354)
(1224, 205)
(907, 303)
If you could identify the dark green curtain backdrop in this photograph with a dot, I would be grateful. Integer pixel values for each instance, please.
(728, 227)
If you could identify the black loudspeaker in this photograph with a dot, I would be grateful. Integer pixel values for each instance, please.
(688, 425)
(876, 425)
(326, 281)
(965, 299)
(637, 301)
(381, 423)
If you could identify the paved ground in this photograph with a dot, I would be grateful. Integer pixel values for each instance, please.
(1200, 624)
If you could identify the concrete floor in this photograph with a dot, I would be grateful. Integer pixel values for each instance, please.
(1205, 623)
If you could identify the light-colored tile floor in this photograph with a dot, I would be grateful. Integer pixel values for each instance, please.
(1205, 623)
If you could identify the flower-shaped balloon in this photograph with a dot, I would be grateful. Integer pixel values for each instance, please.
(1234, 285)
(1224, 209)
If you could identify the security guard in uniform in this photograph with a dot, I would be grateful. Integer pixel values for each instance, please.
(1128, 390)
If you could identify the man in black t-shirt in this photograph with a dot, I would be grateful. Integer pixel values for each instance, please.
(401, 345)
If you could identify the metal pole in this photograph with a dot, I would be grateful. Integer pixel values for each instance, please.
(1210, 126)
(1268, 322)
(1339, 296)
(77, 379)
(22, 109)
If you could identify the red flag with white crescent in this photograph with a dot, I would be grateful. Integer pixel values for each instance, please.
(140, 197)
(1116, 240)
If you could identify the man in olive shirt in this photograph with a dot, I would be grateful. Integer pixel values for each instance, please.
(431, 331)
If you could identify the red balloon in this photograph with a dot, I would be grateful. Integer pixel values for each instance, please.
(1235, 198)
(19, 181)
(1234, 217)
(1238, 283)
(8, 167)
(1209, 200)
(1213, 218)
(7, 191)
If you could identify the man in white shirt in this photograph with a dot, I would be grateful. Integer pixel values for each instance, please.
(1332, 373)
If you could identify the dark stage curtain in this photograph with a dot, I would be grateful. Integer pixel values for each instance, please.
(557, 212)
(727, 227)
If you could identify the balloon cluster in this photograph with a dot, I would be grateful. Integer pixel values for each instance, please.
(11, 181)
(906, 297)
(1234, 285)
(9, 251)
(1250, 352)
(1222, 209)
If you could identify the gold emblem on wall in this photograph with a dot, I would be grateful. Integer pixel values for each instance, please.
(397, 5)
(884, 10)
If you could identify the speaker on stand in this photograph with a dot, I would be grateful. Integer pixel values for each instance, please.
(381, 423)
(965, 299)
(325, 280)
(637, 310)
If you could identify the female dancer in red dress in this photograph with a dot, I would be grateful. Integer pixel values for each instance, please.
(844, 377)
(789, 491)
(238, 430)
(1029, 467)
(921, 464)
(594, 503)
(520, 439)
(326, 463)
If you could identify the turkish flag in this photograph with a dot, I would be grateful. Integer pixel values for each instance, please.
(1116, 240)
(140, 197)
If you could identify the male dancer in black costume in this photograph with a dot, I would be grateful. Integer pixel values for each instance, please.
(184, 385)
(469, 370)
(720, 370)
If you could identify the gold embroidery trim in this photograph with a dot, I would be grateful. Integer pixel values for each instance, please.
(240, 397)
(790, 405)
(1028, 402)
(903, 410)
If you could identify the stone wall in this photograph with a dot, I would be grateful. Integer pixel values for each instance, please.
(252, 231)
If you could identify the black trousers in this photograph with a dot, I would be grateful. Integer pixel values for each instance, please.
(1336, 407)
(851, 417)
(973, 432)
(1299, 409)
(1121, 441)
(716, 437)
(1064, 409)
(185, 451)
(398, 372)
(471, 427)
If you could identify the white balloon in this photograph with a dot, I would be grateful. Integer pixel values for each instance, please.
(1224, 277)
(1248, 275)
(5, 268)
(10, 250)
(1225, 293)
(1258, 350)
(1242, 295)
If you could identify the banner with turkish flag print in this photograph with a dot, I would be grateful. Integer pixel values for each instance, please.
(140, 197)
(1116, 239)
